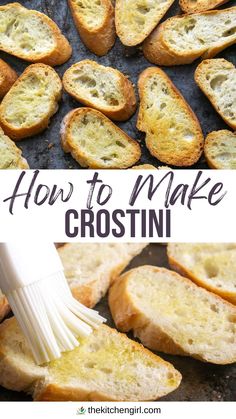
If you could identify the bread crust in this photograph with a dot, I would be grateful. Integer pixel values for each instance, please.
(140, 37)
(128, 317)
(117, 113)
(8, 76)
(157, 51)
(212, 163)
(182, 270)
(198, 79)
(98, 40)
(200, 6)
(80, 156)
(38, 382)
(24, 132)
(59, 55)
(176, 160)
(4, 307)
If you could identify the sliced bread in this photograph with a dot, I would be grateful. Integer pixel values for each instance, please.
(211, 266)
(4, 306)
(105, 366)
(220, 149)
(195, 6)
(32, 36)
(135, 20)
(169, 313)
(8, 77)
(10, 154)
(91, 268)
(183, 39)
(95, 142)
(30, 103)
(95, 22)
(173, 133)
(144, 167)
(102, 88)
(217, 79)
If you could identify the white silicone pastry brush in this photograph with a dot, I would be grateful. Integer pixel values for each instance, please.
(32, 278)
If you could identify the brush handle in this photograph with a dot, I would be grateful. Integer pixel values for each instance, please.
(23, 263)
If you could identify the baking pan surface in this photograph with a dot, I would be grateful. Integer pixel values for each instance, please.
(44, 151)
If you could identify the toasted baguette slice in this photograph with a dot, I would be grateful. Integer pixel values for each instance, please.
(30, 103)
(135, 20)
(173, 133)
(190, 6)
(8, 77)
(10, 154)
(217, 79)
(220, 149)
(183, 39)
(105, 366)
(95, 22)
(95, 142)
(91, 268)
(209, 265)
(169, 313)
(4, 306)
(102, 88)
(32, 36)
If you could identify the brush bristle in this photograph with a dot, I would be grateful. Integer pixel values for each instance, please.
(50, 318)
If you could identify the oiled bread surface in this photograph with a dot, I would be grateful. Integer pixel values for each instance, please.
(32, 36)
(106, 366)
(169, 313)
(31, 102)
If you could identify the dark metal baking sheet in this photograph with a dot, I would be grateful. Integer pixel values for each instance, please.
(201, 381)
(38, 150)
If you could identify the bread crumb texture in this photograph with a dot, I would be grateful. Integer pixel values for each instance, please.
(95, 142)
(24, 32)
(135, 19)
(220, 149)
(105, 366)
(173, 133)
(199, 322)
(10, 155)
(217, 79)
(32, 100)
(210, 265)
(92, 12)
(200, 32)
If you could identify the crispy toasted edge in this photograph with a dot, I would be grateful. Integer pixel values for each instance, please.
(211, 137)
(100, 40)
(128, 317)
(157, 51)
(82, 157)
(121, 113)
(141, 36)
(182, 270)
(20, 133)
(148, 72)
(188, 7)
(200, 70)
(9, 76)
(59, 55)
